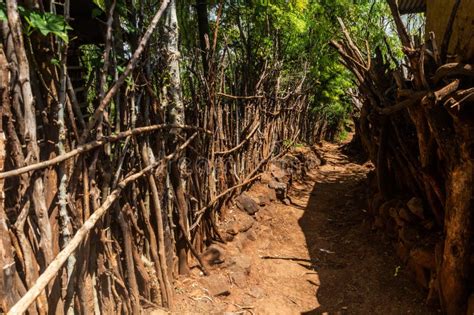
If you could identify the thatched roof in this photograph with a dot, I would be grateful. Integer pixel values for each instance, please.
(411, 6)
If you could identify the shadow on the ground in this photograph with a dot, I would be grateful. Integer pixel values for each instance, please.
(358, 272)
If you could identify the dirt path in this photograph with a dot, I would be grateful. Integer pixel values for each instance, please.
(316, 255)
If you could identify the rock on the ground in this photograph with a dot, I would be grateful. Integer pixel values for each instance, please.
(266, 178)
(281, 189)
(278, 173)
(247, 204)
(240, 222)
(309, 157)
(214, 255)
(239, 278)
(228, 237)
(293, 167)
(270, 193)
(251, 235)
(256, 292)
(416, 207)
(240, 263)
(263, 200)
(217, 285)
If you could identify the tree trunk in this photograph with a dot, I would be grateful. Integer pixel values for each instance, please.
(203, 26)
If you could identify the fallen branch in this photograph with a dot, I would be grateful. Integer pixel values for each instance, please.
(92, 145)
(22, 305)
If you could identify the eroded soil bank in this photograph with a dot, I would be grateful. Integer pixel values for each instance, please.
(312, 252)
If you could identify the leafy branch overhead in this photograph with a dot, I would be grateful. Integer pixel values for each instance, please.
(43, 22)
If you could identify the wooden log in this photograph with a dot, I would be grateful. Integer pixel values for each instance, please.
(89, 146)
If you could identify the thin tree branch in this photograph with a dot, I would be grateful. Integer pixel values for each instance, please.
(449, 30)
(241, 144)
(128, 70)
(91, 145)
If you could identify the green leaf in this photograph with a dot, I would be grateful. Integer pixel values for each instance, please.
(55, 62)
(3, 12)
(100, 4)
(48, 23)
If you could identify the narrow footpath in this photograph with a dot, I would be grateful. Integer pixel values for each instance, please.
(316, 255)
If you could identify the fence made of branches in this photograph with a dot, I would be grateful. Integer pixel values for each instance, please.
(417, 127)
(111, 176)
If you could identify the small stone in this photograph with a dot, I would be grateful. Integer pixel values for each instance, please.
(272, 195)
(256, 292)
(266, 178)
(265, 244)
(280, 189)
(263, 200)
(237, 242)
(244, 222)
(214, 255)
(228, 237)
(239, 279)
(241, 263)
(247, 204)
(251, 235)
(415, 205)
(217, 285)
(245, 301)
(231, 228)
(279, 174)
(241, 222)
